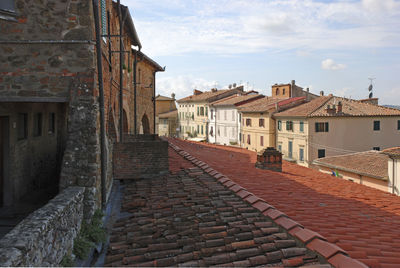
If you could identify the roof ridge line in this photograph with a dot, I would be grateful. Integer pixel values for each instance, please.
(328, 99)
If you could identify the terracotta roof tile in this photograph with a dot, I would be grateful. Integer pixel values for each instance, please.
(370, 163)
(260, 105)
(318, 108)
(234, 100)
(204, 96)
(164, 98)
(188, 218)
(392, 151)
(359, 219)
(169, 114)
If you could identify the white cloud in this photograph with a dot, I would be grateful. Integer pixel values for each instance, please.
(330, 64)
(182, 85)
(238, 26)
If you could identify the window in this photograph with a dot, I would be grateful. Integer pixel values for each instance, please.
(225, 115)
(277, 91)
(322, 127)
(240, 136)
(52, 123)
(22, 126)
(211, 131)
(279, 125)
(206, 111)
(377, 125)
(202, 130)
(212, 114)
(321, 153)
(289, 125)
(37, 127)
(248, 138)
(248, 122)
(280, 147)
(7, 5)
(261, 122)
(202, 111)
(398, 124)
(198, 129)
(301, 126)
(198, 111)
(283, 91)
(261, 140)
(301, 154)
(376, 148)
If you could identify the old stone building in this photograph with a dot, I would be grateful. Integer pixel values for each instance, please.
(166, 116)
(70, 86)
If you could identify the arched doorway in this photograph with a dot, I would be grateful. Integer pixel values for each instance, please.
(145, 124)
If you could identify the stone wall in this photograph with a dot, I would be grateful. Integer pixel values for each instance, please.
(143, 156)
(45, 236)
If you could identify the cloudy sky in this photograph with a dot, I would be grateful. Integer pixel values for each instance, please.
(334, 46)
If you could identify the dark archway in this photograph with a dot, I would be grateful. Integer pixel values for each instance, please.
(125, 125)
(145, 124)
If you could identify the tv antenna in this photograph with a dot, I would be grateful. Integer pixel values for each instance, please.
(370, 87)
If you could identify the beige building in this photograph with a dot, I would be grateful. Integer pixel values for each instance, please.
(368, 168)
(257, 124)
(166, 116)
(193, 112)
(394, 169)
(329, 126)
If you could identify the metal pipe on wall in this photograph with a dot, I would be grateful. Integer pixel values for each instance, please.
(121, 79)
(103, 164)
(154, 102)
(134, 93)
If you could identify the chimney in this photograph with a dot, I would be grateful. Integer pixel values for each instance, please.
(321, 93)
(241, 88)
(214, 90)
(173, 96)
(197, 92)
(339, 107)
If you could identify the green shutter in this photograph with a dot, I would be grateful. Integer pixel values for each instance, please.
(326, 127)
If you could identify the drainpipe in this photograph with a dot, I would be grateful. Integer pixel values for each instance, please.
(134, 93)
(154, 102)
(101, 104)
(121, 77)
(393, 171)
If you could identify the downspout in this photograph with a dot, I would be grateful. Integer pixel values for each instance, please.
(134, 93)
(215, 124)
(393, 171)
(121, 77)
(101, 104)
(154, 102)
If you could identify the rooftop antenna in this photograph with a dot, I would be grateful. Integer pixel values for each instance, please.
(370, 87)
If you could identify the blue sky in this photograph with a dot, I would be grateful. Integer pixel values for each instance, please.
(334, 46)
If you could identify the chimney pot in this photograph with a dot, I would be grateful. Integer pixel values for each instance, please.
(339, 107)
(321, 93)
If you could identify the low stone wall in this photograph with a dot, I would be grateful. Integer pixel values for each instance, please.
(140, 157)
(46, 235)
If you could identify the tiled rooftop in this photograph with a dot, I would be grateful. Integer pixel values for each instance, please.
(317, 108)
(190, 218)
(392, 151)
(363, 221)
(260, 105)
(233, 100)
(204, 96)
(370, 163)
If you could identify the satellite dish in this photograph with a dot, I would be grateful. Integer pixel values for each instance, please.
(370, 95)
(370, 87)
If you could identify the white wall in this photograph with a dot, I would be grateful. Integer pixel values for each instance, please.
(394, 173)
(227, 125)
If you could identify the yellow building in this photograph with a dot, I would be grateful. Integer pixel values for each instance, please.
(329, 126)
(257, 126)
(166, 116)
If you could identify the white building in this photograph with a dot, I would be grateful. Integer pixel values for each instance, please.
(224, 119)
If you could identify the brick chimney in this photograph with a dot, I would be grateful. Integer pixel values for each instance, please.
(339, 107)
(321, 93)
(197, 92)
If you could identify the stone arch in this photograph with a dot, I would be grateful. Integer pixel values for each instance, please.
(145, 124)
